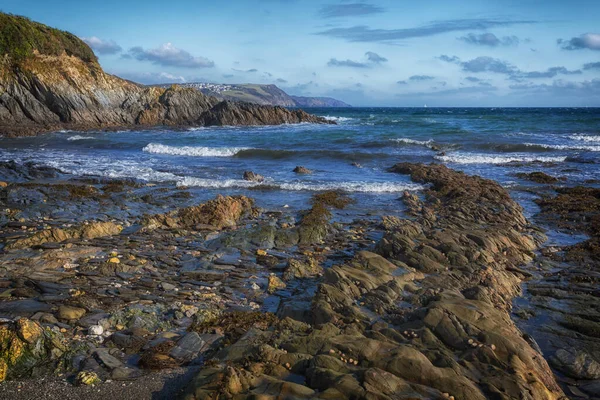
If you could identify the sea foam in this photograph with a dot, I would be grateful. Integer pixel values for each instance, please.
(585, 138)
(495, 159)
(156, 148)
(79, 137)
(364, 187)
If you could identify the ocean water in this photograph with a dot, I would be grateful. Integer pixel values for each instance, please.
(353, 155)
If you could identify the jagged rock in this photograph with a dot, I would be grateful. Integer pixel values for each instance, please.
(253, 177)
(85, 231)
(223, 211)
(302, 268)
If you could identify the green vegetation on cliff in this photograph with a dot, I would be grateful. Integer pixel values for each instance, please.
(19, 37)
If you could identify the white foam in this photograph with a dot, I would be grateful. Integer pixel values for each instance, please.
(156, 148)
(495, 159)
(426, 143)
(585, 138)
(337, 119)
(79, 137)
(365, 187)
(563, 147)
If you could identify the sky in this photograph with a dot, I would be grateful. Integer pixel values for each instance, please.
(367, 53)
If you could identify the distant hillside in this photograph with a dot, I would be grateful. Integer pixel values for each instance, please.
(318, 102)
(260, 94)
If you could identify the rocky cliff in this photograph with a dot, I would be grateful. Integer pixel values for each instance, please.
(50, 80)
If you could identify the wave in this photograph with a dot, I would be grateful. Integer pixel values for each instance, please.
(364, 187)
(79, 137)
(156, 148)
(427, 143)
(337, 119)
(494, 159)
(562, 147)
(585, 138)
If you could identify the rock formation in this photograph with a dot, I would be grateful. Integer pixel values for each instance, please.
(51, 80)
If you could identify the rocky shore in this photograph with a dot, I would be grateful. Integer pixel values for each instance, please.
(108, 282)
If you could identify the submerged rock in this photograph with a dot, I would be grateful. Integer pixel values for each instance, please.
(302, 170)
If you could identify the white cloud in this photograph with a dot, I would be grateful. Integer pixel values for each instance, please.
(102, 46)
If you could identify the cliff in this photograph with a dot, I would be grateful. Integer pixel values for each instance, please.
(50, 79)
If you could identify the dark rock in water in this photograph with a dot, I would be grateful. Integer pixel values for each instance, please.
(253, 177)
(230, 113)
(302, 170)
(14, 172)
(539, 177)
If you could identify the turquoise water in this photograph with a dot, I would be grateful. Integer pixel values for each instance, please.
(353, 156)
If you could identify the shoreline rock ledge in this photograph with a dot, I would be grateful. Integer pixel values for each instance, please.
(424, 315)
(50, 80)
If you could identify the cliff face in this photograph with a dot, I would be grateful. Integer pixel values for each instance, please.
(48, 90)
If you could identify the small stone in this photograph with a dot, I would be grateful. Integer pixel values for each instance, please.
(96, 330)
(87, 378)
(167, 286)
(3, 184)
(493, 347)
(275, 284)
(69, 313)
(254, 286)
(114, 260)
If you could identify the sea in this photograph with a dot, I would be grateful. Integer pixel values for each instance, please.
(353, 156)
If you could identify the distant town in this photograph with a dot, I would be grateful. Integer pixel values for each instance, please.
(212, 87)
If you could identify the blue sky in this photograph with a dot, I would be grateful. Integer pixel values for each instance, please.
(367, 53)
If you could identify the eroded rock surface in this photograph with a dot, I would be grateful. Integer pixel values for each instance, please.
(426, 316)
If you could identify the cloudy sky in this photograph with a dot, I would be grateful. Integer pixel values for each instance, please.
(367, 53)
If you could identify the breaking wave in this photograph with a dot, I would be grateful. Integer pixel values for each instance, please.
(156, 148)
(495, 159)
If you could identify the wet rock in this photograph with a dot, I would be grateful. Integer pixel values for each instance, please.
(576, 364)
(253, 177)
(125, 373)
(302, 170)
